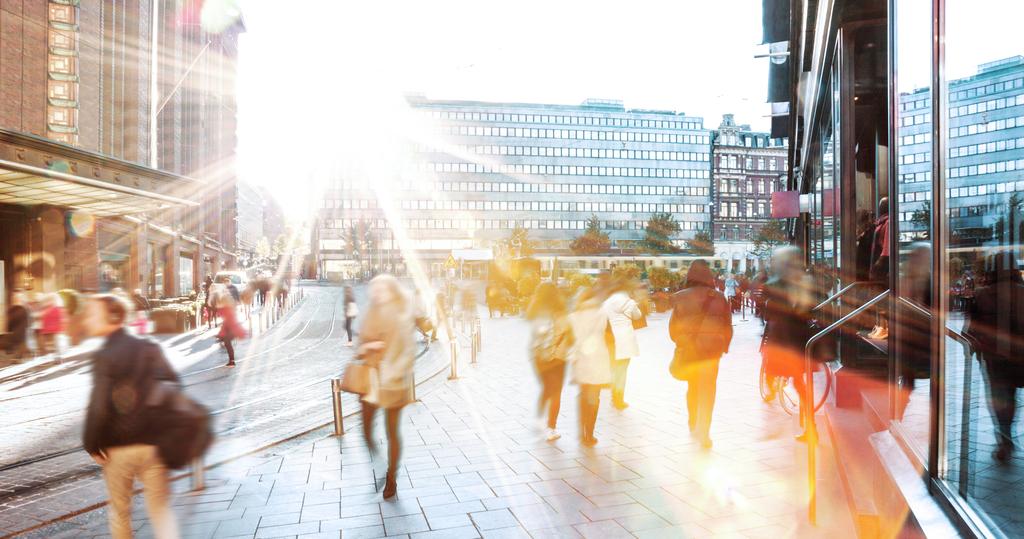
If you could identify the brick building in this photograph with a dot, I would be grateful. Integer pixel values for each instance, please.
(117, 136)
(746, 168)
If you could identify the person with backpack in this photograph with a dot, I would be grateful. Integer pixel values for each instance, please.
(701, 328)
(590, 355)
(550, 342)
(995, 325)
(120, 433)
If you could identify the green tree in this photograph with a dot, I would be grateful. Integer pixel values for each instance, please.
(923, 217)
(579, 280)
(593, 241)
(662, 277)
(702, 244)
(626, 271)
(658, 233)
(769, 237)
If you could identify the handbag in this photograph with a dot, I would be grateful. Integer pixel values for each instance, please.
(184, 432)
(424, 325)
(640, 323)
(356, 378)
(681, 365)
(351, 310)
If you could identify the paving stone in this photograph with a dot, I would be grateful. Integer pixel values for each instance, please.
(405, 524)
(490, 520)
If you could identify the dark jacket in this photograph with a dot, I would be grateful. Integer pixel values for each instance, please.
(995, 326)
(706, 333)
(125, 369)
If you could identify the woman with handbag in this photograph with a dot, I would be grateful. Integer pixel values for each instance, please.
(351, 312)
(550, 342)
(591, 368)
(701, 328)
(386, 346)
(621, 311)
(230, 329)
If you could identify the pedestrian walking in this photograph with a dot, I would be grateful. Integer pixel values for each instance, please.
(208, 307)
(788, 302)
(386, 345)
(701, 328)
(230, 328)
(53, 322)
(118, 434)
(351, 311)
(590, 359)
(550, 342)
(995, 325)
(621, 311)
(731, 286)
(19, 320)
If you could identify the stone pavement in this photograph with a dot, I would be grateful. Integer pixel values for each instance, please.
(474, 465)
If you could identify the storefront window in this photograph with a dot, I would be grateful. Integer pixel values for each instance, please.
(186, 270)
(983, 306)
(911, 216)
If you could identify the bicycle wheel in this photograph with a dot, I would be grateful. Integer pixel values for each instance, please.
(789, 398)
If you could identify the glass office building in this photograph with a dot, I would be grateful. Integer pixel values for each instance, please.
(913, 109)
(473, 171)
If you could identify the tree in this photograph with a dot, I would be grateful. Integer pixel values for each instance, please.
(627, 271)
(518, 243)
(662, 277)
(769, 237)
(359, 240)
(593, 241)
(702, 244)
(580, 280)
(658, 233)
(923, 218)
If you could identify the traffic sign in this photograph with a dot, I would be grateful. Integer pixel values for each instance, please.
(450, 263)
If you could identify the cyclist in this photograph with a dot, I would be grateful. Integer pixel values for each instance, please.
(788, 301)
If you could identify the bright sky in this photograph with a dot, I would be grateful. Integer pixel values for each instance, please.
(320, 75)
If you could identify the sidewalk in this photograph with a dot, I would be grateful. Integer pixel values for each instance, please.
(474, 465)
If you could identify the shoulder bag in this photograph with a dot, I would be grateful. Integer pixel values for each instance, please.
(356, 378)
(682, 362)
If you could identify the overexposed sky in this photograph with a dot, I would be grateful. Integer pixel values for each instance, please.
(316, 76)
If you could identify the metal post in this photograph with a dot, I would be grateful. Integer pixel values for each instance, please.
(414, 397)
(472, 347)
(479, 339)
(198, 477)
(454, 351)
(339, 424)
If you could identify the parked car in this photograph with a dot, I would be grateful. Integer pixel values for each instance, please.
(237, 278)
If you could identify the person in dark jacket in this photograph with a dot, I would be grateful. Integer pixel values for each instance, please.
(996, 327)
(788, 302)
(118, 434)
(19, 319)
(701, 328)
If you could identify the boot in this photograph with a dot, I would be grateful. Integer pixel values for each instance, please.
(390, 486)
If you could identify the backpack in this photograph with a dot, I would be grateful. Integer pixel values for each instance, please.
(548, 342)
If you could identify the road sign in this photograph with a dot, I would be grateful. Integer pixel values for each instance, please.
(450, 263)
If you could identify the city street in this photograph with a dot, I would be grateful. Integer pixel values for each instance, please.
(265, 399)
(475, 464)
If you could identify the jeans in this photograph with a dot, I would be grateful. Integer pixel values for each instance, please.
(552, 378)
(700, 397)
(124, 464)
(1002, 390)
(348, 327)
(392, 421)
(619, 368)
(590, 402)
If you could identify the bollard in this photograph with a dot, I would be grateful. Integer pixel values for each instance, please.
(198, 478)
(339, 422)
(414, 397)
(454, 351)
(479, 340)
(472, 348)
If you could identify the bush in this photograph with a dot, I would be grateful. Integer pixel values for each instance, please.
(661, 277)
(629, 272)
(580, 280)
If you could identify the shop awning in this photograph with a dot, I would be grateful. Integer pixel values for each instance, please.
(29, 185)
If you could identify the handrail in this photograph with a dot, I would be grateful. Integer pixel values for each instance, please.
(965, 403)
(842, 291)
(807, 402)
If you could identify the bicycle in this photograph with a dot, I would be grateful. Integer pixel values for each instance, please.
(782, 389)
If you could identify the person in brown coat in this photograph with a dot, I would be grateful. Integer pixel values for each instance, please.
(701, 328)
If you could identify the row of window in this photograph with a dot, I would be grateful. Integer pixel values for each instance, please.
(916, 119)
(987, 189)
(562, 120)
(918, 196)
(587, 153)
(987, 168)
(986, 127)
(570, 134)
(566, 170)
(985, 106)
(753, 186)
(762, 163)
(911, 158)
(914, 177)
(993, 88)
(749, 141)
(564, 188)
(987, 147)
(960, 211)
(919, 138)
(524, 205)
(732, 209)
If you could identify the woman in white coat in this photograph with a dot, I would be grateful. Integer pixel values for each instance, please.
(621, 311)
(590, 366)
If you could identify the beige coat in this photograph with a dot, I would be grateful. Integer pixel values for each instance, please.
(589, 355)
(621, 311)
(391, 382)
